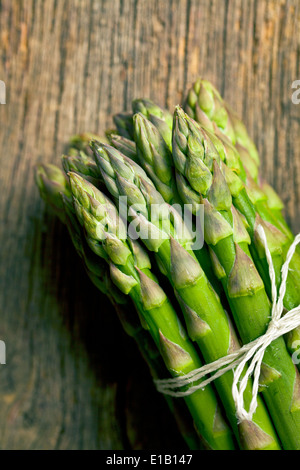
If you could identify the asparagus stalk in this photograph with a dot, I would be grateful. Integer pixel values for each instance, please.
(84, 165)
(161, 118)
(259, 199)
(80, 142)
(150, 109)
(145, 134)
(207, 107)
(205, 104)
(202, 176)
(124, 125)
(130, 271)
(50, 180)
(274, 201)
(156, 159)
(98, 271)
(278, 244)
(250, 202)
(206, 321)
(124, 145)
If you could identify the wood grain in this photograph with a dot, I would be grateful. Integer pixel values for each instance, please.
(68, 66)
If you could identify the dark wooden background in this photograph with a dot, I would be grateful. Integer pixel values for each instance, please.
(68, 66)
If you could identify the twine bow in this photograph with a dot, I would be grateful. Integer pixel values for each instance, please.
(252, 352)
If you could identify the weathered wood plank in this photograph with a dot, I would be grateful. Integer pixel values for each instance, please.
(68, 66)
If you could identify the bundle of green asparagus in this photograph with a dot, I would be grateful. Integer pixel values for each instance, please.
(189, 294)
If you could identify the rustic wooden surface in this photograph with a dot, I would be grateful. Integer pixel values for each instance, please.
(68, 66)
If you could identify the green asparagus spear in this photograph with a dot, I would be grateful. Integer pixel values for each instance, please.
(250, 201)
(98, 271)
(156, 159)
(51, 182)
(253, 202)
(80, 142)
(124, 125)
(161, 118)
(54, 180)
(84, 165)
(130, 271)
(205, 104)
(206, 321)
(124, 145)
(202, 176)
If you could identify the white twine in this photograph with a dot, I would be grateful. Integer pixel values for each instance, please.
(252, 352)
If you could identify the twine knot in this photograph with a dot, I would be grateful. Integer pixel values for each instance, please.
(274, 325)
